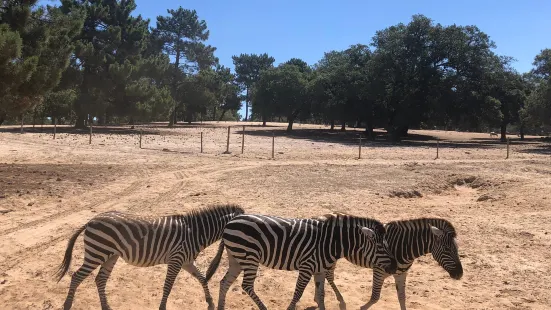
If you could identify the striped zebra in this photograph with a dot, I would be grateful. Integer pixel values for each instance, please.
(310, 246)
(175, 240)
(408, 240)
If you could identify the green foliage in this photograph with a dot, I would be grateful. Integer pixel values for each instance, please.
(97, 58)
(181, 34)
(35, 44)
(248, 68)
(537, 111)
(542, 64)
(283, 91)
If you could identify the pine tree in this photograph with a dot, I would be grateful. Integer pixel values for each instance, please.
(35, 44)
(181, 34)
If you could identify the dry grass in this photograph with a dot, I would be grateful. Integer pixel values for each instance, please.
(53, 186)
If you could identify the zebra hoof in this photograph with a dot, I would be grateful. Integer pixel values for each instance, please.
(67, 305)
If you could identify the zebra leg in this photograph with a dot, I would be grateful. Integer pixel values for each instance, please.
(379, 277)
(174, 266)
(192, 269)
(330, 276)
(304, 277)
(319, 279)
(89, 265)
(400, 280)
(102, 277)
(233, 272)
(249, 276)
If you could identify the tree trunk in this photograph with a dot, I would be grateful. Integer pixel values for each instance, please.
(369, 131)
(34, 117)
(172, 121)
(101, 119)
(214, 113)
(332, 124)
(80, 123)
(247, 105)
(188, 117)
(403, 131)
(290, 126)
(2, 118)
(522, 132)
(343, 125)
(503, 132)
(394, 134)
(222, 116)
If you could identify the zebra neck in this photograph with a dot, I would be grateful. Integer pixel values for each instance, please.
(409, 243)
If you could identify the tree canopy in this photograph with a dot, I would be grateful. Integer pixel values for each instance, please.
(99, 60)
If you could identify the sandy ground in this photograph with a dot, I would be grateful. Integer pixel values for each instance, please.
(50, 187)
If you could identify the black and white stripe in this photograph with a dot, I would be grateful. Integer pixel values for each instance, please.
(141, 241)
(408, 240)
(310, 246)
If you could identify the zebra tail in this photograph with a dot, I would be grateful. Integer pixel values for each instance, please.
(215, 261)
(64, 266)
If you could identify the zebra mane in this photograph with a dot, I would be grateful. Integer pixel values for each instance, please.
(439, 223)
(362, 221)
(221, 209)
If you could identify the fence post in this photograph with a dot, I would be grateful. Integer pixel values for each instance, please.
(55, 126)
(437, 148)
(243, 140)
(201, 142)
(228, 142)
(90, 140)
(360, 148)
(22, 123)
(141, 138)
(507, 149)
(273, 144)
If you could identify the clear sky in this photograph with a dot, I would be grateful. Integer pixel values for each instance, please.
(307, 28)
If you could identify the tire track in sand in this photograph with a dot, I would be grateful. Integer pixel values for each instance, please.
(16, 258)
(134, 186)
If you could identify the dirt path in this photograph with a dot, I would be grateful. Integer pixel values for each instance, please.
(49, 187)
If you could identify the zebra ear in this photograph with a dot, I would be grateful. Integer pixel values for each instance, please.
(368, 232)
(436, 231)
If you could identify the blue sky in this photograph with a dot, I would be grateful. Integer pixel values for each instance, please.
(306, 29)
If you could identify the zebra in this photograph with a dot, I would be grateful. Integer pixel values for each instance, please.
(408, 240)
(308, 245)
(144, 241)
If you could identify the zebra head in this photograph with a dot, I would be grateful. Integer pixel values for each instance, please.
(444, 250)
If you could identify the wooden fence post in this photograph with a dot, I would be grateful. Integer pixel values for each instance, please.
(22, 123)
(437, 148)
(201, 142)
(273, 144)
(243, 140)
(360, 148)
(55, 126)
(141, 138)
(507, 149)
(90, 140)
(228, 142)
